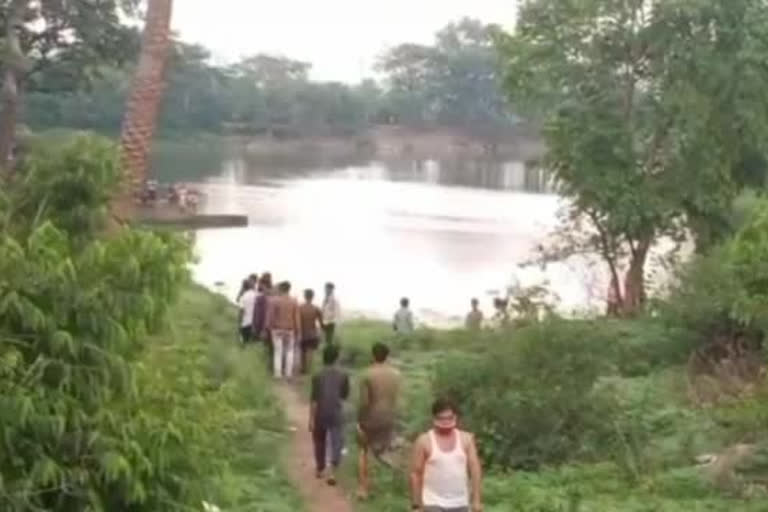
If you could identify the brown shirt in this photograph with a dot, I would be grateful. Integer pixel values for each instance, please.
(283, 313)
(310, 317)
(379, 390)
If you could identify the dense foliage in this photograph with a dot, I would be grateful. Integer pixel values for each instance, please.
(109, 398)
(454, 83)
(648, 133)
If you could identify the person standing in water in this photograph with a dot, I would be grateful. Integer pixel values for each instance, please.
(330, 387)
(284, 323)
(474, 321)
(376, 412)
(403, 321)
(311, 317)
(331, 313)
(446, 475)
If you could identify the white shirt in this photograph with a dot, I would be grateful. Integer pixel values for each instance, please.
(247, 305)
(331, 310)
(446, 479)
(403, 321)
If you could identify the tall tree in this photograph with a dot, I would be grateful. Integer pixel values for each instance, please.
(643, 117)
(70, 39)
(144, 102)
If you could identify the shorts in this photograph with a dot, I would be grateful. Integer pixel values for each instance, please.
(310, 344)
(246, 334)
(376, 437)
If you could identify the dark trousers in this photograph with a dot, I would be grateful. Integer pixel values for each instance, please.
(320, 437)
(330, 331)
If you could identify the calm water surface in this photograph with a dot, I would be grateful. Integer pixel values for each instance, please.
(439, 234)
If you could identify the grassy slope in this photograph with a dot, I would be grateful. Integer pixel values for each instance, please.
(204, 379)
(664, 482)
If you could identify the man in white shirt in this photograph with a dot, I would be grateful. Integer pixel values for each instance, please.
(247, 305)
(331, 311)
(403, 321)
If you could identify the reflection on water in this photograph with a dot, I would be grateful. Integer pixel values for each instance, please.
(439, 233)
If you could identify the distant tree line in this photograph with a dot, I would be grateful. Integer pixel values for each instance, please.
(453, 82)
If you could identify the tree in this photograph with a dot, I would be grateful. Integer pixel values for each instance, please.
(56, 41)
(453, 82)
(144, 102)
(643, 120)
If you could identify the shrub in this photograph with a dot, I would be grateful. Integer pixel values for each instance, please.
(532, 401)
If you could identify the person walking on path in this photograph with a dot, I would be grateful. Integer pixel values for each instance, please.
(474, 321)
(376, 412)
(264, 292)
(446, 475)
(330, 387)
(403, 322)
(246, 304)
(311, 317)
(331, 313)
(284, 323)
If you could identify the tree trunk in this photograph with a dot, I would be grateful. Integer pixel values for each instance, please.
(634, 281)
(14, 66)
(143, 105)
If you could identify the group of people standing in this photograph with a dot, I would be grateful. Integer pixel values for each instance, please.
(445, 472)
(291, 331)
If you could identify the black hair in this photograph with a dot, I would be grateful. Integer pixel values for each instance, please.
(309, 294)
(404, 302)
(330, 286)
(444, 404)
(284, 287)
(475, 301)
(330, 354)
(380, 352)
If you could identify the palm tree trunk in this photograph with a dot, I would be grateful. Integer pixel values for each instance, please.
(14, 67)
(143, 104)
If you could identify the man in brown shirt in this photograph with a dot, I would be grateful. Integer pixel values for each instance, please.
(311, 319)
(376, 412)
(284, 322)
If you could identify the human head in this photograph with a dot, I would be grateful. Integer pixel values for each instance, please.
(266, 281)
(309, 295)
(380, 352)
(330, 354)
(253, 278)
(475, 303)
(246, 285)
(284, 287)
(405, 302)
(329, 288)
(445, 415)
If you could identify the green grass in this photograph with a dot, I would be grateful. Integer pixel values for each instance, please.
(204, 379)
(658, 477)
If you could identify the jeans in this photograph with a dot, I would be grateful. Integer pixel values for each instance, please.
(284, 347)
(320, 437)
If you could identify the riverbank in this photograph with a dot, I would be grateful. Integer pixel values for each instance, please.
(649, 457)
(203, 378)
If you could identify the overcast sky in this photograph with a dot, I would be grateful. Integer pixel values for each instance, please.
(341, 38)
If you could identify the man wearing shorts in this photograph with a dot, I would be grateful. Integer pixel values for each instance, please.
(376, 413)
(311, 318)
(446, 475)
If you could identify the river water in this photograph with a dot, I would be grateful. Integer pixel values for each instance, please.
(439, 234)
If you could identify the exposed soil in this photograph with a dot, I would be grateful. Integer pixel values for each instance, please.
(299, 462)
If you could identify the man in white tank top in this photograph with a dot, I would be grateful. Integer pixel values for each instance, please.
(446, 475)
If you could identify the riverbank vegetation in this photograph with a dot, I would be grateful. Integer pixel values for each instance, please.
(121, 387)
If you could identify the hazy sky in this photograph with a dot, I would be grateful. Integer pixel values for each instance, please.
(341, 38)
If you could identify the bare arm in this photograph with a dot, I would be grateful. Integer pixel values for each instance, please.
(419, 457)
(297, 320)
(475, 474)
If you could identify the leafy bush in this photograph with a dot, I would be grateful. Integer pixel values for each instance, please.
(533, 401)
(726, 292)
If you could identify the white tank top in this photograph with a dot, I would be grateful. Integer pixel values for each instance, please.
(446, 481)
